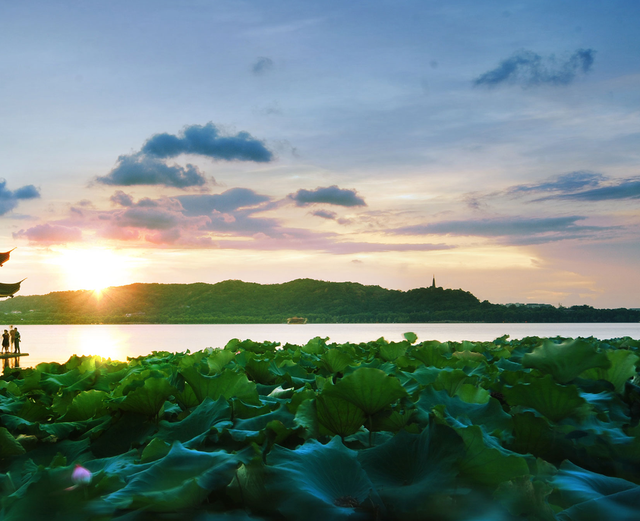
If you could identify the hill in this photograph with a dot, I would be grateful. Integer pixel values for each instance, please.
(234, 301)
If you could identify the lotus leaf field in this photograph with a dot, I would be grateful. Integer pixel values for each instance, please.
(538, 429)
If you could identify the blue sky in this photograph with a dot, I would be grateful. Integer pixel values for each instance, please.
(493, 144)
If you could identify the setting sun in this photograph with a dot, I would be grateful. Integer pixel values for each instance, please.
(94, 269)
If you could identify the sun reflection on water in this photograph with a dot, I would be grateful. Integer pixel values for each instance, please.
(109, 343)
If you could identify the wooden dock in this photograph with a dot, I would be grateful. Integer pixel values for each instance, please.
(12, 355)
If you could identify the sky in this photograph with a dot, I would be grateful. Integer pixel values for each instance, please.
(492, 144)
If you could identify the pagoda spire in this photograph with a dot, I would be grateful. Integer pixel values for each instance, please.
(433, 284)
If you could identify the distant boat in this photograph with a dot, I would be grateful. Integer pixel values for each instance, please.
(4, 257)
(8, 290)
(296, 320)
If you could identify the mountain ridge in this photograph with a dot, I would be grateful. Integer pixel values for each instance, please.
(235, 301)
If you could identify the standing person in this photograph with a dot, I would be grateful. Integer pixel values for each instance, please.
(16, 341)
(11, 333)
(5, 341)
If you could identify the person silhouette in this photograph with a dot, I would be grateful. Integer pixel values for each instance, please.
(16, 341)
(5, 341)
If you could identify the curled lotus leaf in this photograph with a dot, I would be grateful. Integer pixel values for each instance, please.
(319, 482)
(567, 360)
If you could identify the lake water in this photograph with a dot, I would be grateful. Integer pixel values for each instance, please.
(58, 343)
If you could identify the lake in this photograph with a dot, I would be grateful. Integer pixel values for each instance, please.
(58, 343)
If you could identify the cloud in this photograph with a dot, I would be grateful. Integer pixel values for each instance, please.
(204, 204)
(164, 237)
(10, 199)
(569, 182)
(262, 65)
(625, 189)
(50, 234)
(121, 199)
(120, 234)
(500, 227)
(138, 169)
(149, 218)
(329, 195)
(207, 140)
(529, 69)
(325, 214)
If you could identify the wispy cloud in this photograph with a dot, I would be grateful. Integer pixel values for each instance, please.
(528, 69)
(570, 182)
(207, 140)
(10, 199)
(262, 65)
(329, 195)
(624, 189)
(513, 230)
(325, 214)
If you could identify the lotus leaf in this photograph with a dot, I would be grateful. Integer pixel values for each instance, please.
(486, 462)
(9, 446)
(335, 360)
(182, 479)
(409, 469)
(319, 482)
(338, 415)
(148, 399)
(370, 389)
(411, 337)
(554, 401)
(392, 351)
(623, 367)
(567, 360)
(198, 422)
(86, 405)
(228, 384)
(592, 496)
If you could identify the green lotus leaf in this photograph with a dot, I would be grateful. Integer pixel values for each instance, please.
(433, 354)
(149, 398)
(218, 359)
(370, 389)
(534, 435)
(86, 405)
(182, 479)
(527, 498)
(623, 367)
(490, 415)
(318, 482)
(248, 487)
(260, 422)
(227, 384)
(9, 446)
(550, 399)
(392, 351)
(307, 418)
(412, 338)
(391, 421)
(567, 360)
(486, 462)
(259, 371)
(155, 450)
(452, 380)
(338, 415)
(199, 421)
(335, 360)
(590, 496)
(473, 394)
(409, 469)
(52, 383)
(315, 346)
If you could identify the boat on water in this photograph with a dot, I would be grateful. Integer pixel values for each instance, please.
(296, 320)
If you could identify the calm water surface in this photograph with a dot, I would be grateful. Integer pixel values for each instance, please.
(59, 343)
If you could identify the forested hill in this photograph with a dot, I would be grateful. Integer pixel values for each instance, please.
(234, 301)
